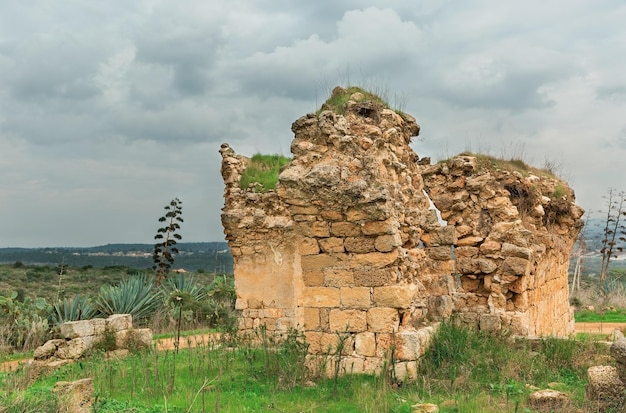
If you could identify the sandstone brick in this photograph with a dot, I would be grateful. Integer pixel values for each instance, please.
(365, 344)
(490, 247)
(345, 229)
(516, 266)
(313, 339)
(332, 244)
(440, 253)
(490, 322)
(469, 241)
(515, 251)
(356, 215)
(311, 318)
(320, 297)
(395, 296)
(320, 229)
(380, 227)
(311, 278)
(383, 320)
(408, 346)
(353, 321)
(308, 246)
(359, 244)
(74, 329)
(406, 371)
(371, 277)
(374, 259)
(119, 322)
(465, 252)
(304, 210)
(322, 261)
(331, 215)
(386, 243)
(384, 343)
(338, 278)
(355, 297)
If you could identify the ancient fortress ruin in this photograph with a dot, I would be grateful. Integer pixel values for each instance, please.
(350, 242)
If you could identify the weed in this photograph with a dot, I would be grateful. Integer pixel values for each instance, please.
(262, 172)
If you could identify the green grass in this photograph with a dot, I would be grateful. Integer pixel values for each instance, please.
(464, 371)
(609, 316)
(337, 102)
(263, 171)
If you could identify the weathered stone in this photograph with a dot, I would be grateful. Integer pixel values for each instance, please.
(142, 338)
(311, 318)
(355, 297)
(48, 349)
(353, 321)
(395, 296)
(119, 322)
(75, 396)
(382, 320)
(371, 277)
(331, 244)
(360, 244)
(490, 322)
(386, 243)
(604, 385)
(321, 297)
(618, 350)
(549, 401)
(345, 229)
(308, 246)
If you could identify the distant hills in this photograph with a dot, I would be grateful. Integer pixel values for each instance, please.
(193, 256)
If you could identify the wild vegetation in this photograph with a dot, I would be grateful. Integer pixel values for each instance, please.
(262, 172)
(464, 371)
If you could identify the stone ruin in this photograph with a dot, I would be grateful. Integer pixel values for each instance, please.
(79, 337)
(349, 242)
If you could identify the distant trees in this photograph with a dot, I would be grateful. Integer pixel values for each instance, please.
(614, 232)
(168, 237)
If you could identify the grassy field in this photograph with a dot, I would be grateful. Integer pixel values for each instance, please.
(464, 371)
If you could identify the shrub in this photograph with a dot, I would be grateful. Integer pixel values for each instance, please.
(80, 307)
(136, 296)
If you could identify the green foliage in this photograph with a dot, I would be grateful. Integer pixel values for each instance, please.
(608, 316)
(559, 191)
(80, 307)
(262, 172)
(136, 295)
(168, 237)
(26, 322)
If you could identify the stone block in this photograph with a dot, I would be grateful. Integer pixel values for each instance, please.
(142, 338)
(515, 266)
(320, 229)
(490, 247)
(365, 344)
(75, 329)
(75, 396)
(387, 243)
(331, 215)
(440, 253)
(549, 401)
(124, 337)
(512, 250)
(380, 227)
(73, 349)
(332, 244)
(490, 322)
(119, 322)
(406, 371)
(395, 296)
(311, 318)
(48, 349)
(469, 241)
(382, 320)
(320, 297)
(313, 278)
(604, 385)
(359, 245)
(308, 246)
(313, 339)
(408, 346)
(618, 350)
(345, 229)
(355, 297)
(372, 277)
(338, 278)
(323, 261)
(353, 321)
(374, 259)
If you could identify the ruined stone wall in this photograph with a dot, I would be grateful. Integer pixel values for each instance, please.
(514, 235)
(348, 244)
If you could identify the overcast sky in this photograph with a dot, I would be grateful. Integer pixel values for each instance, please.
(111, 108)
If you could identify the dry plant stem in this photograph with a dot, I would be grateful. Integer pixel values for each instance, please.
(200, 390)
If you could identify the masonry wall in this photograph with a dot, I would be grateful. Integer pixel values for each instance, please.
(349, 246)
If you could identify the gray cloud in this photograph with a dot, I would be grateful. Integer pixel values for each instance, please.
(111, 109)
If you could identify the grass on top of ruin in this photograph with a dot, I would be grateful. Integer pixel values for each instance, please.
(512, 164)
(262, 172)
(464, 371)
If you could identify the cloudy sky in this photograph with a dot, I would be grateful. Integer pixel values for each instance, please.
(111, 108)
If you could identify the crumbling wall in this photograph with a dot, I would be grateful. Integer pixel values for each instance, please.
(514, 236)
(348, 242)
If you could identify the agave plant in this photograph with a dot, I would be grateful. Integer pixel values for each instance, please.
(136, 295)
(81, 307)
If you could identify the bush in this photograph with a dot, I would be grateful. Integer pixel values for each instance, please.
(263, 171)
